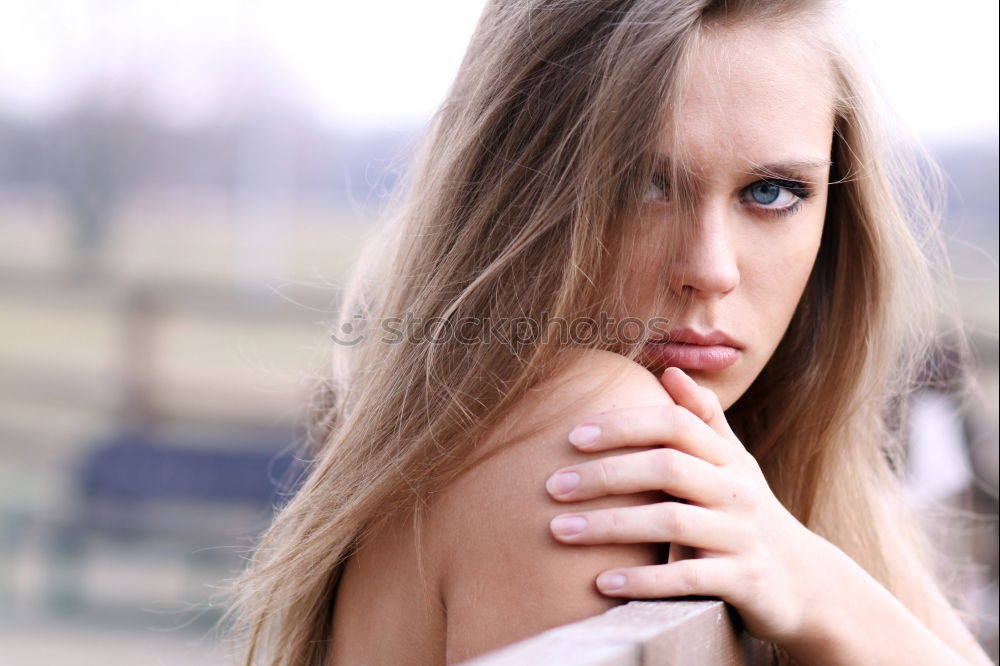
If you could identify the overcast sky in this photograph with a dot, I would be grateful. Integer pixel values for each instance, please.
(388, 63)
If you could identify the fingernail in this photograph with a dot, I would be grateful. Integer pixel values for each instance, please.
(584, 435)
(562, 483)
(687, 377)
(611, 582)
(568, 525)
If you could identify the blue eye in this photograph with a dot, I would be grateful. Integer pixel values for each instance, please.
(776, 196)
(764, 193)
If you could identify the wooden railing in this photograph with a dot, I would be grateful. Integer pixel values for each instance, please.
(642, 633)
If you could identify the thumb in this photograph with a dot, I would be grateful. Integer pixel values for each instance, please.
(698, 400)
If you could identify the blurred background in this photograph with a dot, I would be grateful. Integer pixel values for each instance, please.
(183, 187)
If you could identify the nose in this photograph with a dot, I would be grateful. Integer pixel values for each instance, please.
(708, 266)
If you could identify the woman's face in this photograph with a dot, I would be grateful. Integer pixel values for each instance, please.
(756, 125)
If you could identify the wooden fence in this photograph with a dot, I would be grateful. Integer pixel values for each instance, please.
(642, 633)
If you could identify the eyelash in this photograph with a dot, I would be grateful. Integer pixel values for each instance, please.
(798, 188)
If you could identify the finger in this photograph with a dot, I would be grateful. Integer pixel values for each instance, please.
(704, 576)
(672, 471)
(701, 401)
(663, 522)
(664, 425)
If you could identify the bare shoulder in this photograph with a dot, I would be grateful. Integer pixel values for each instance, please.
(502, 576)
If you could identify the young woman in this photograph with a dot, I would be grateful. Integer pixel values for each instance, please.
(654, 280)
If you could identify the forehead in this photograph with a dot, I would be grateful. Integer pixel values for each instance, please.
(753, 94)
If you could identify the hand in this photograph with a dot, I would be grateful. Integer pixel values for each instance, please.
(749, 550)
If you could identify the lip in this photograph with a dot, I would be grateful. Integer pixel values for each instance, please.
(688, 349)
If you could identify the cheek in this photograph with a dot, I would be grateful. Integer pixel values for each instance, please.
(780, 268)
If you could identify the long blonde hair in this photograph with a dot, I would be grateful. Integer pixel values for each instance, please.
(517, 205)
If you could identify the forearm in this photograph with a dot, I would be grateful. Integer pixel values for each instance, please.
(861, 622)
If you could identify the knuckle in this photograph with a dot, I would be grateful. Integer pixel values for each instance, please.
(749, 502)
(675, 520)
(741, 539)
(748, 460)
(746, 536)
(667, 463)
(677, 413)
(688, 577)
(606, 474)
(741, 490)
(665, 415)
(711, 400)
(615, 522)
(658, 579)
(684, 422)
(750, 498)
(708, 404)
(753, 576)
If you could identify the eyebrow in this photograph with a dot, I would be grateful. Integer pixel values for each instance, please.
(782, 168)
(789, 167)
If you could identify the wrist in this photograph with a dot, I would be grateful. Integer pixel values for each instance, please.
(835, 595)
(850, 618)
